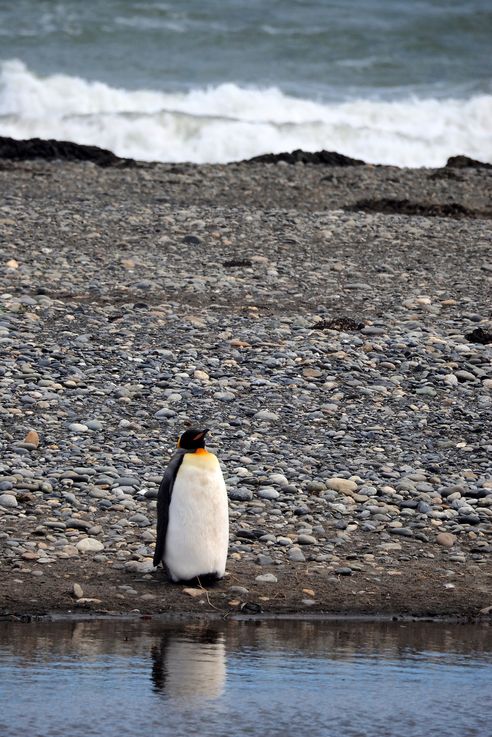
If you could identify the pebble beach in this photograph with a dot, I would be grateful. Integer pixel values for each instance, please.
(338, 347)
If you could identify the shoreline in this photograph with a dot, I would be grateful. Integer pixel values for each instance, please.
(326, 347)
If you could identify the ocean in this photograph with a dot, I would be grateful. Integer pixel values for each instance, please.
(404, 82)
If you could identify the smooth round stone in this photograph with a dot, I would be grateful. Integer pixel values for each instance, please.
(266, 578)
(140, 519)
(77, 591)
(469, 519)
(341, 485)
(315, 486)
(151, 493)
(296, 555)
(450, 380)
(402, 531)
(304, 539)
(343, 571)
(446, 539)
(268, 493)
(225, 396)
(8, 501)
(136, 566)
(94, 425)
(128, 481)
(238, 590)
(165, 412)
(465, 375)
(240, 495)
(89, 545)
(373, 330)
(285, 541)
(279, 479)
(79, 524)
(266, 415)
(264, 560)
(78, 427)
(201, 375)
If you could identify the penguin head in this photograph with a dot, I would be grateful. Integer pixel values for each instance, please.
(192, 439)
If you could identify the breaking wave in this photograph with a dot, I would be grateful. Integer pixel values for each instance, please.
(228, 122)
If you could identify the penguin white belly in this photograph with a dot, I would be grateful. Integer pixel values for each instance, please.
(197, 537)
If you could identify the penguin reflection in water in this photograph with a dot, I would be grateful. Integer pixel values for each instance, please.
(189, 664)
(192, 513)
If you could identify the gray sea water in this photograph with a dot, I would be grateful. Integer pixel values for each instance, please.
(390, 81)
(311, 678)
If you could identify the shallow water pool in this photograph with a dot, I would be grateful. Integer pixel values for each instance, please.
(306, 678)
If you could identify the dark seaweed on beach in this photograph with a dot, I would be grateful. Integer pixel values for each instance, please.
(342, 324)
(237, 262)
(479, 335)
(390, 206)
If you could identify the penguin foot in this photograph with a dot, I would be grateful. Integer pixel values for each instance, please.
(208, 579)
(204, 579)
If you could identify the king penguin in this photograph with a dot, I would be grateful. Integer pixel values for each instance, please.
(192, 513)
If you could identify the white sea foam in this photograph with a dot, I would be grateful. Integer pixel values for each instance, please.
(229, 123)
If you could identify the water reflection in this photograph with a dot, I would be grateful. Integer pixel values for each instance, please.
(340, 679)
(190, 664)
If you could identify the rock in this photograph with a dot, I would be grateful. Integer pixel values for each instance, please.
(194, 593)
(267, 416)
(225, 396)
(8, 501)
(201, 375)
(450, 380)
(344, 571)
(95, 425)
(268, 493)
(32, 438)
(326, 158)
(266, 578)
(78, 427)
(401, 531)
(49, 150)
(77, 591)
(79, 524)
(89, 545)
(341, 485)
(165, 412)
(240, 495)
(296, 555)
(241, 590)
(306, 540)
(278, 479)
(140, 519)
(140, 566)
(463, 162)
(446, 539)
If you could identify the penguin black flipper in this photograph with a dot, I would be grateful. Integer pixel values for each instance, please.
(163, 502)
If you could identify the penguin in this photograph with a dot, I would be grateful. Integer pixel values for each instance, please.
(192, 513)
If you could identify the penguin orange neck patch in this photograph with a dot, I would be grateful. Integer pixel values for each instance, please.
(201, 452)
